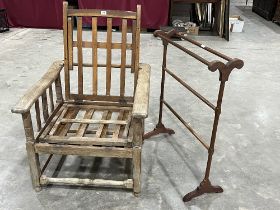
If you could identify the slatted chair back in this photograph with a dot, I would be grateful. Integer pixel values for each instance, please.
(75, 47)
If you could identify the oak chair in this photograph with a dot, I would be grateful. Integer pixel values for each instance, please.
(79, 119)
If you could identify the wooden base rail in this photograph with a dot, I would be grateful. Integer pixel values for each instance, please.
(224, 70)
(87, 182)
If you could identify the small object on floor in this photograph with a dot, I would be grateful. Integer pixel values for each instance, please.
(190, 27)
(179, 30)
(236, 24)
(4, 24)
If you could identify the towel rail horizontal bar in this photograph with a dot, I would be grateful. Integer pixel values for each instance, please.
(208, 103)
(204, 47)
(196, 135)
(163, 37)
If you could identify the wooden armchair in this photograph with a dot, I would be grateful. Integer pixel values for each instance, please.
(80, 123)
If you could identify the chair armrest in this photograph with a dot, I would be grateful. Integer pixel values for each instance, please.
(38, 89)
(142, 92)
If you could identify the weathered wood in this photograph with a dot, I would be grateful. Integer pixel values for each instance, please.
(70, 42)
(103, 65)
(130, 134)
(51, 98)
(87, 182)
(63, 128)
(80, 55)
(34, 165)
(38, 116)
(83, 127)
(91, 131)
(65, 40)
(45, 106)
(141, 99)
(28, 128)
(32, 157)
(138, 129)
(65, 30)
(46, 163)
(102, 98)
(103, 103)
(109, 56)
(87, 141)
(123, 57)
(133, 46)
(38, 89)
(57, 121)
(88, 121)
(118, 127)
(103, 45)
(94, 56)
(125, 129)
(113, 137)
(137, 44)
(83, 150)
(136, 162)
(58, 90)
(51, 122)
(99, 107)
(102, 130)
(102, 13)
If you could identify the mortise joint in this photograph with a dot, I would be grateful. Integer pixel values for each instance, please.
(218, 110)
(211, 151)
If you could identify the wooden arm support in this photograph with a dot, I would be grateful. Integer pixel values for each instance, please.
(141, 98)
(38, 89)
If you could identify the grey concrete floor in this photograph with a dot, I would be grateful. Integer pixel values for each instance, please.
(247, 154)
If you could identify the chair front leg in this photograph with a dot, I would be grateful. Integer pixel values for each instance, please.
(33, 157)
(136, 161)
(138, 131)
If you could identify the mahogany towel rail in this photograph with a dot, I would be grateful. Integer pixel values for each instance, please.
(224, 70)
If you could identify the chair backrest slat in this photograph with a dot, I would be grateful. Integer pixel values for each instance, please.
(66, 61)
(70, 42)
(98, 66)
(80, 54)
(133, 46)
(123, 57)
(94, 56)
(137, 44)
(109, 56)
